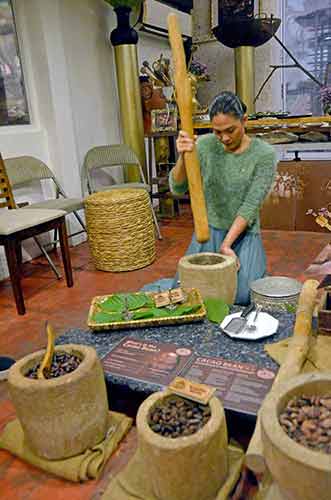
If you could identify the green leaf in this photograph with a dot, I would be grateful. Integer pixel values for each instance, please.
(153, 312)
(119, 301)
(143, 314)
(136, 300)
(160, 312)
(124, 3)
(103, 317)
(185, 309)
(115, 303)
(217, 309)
(149, 301)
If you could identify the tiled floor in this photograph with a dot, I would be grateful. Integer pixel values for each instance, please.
(288, 254)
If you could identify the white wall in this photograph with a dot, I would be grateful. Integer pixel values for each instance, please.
(69, 71)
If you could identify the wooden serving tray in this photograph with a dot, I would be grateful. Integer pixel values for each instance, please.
(193, 298)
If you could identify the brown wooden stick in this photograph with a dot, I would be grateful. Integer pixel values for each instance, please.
(46, 362)
(296, 355)
(184, 102)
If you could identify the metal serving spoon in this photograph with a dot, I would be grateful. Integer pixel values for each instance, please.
(251, 327)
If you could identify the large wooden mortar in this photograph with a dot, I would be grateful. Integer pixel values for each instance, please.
(213, 274)
(300, 473)
(189, 467)
(63, 416)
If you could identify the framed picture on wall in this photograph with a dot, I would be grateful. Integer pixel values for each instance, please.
(13, 101)
(164, 120)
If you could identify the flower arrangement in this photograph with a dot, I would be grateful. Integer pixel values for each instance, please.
(198, 70)
(322, 217)
(325, 94)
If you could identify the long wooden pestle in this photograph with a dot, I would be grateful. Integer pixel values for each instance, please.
(184, 102)
(296, 355)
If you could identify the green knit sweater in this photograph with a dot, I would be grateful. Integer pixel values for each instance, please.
(233, 184)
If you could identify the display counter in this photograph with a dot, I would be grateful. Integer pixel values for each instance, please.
(204, 338)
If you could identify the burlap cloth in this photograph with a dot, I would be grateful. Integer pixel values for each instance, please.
(133, 482)
(318, 358)
(87, 465)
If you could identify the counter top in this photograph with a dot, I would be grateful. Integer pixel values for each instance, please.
(204, 337)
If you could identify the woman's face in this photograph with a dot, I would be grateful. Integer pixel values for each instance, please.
(229, 130)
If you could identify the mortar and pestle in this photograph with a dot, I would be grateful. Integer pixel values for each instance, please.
(63, 416)
(213, 274)
(298, 472)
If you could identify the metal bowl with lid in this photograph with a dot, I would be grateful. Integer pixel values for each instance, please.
(276, 292)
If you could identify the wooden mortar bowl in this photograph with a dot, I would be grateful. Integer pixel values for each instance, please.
(301, 473)
(213, 274)
(185, 468)
(63, 416)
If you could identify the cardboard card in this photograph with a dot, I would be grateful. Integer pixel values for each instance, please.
(201, 393)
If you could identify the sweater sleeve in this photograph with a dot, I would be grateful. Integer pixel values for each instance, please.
(264, 175)
(176, 188)
(182, 188)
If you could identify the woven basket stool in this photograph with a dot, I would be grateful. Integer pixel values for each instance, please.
(120, 229)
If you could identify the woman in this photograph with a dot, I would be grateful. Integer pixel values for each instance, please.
(237, 173)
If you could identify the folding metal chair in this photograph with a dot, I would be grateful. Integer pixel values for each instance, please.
(109, 158)
(24, 170)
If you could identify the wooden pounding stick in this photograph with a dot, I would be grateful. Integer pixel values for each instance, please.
(184, 102)
(296, 355)
(46, 363)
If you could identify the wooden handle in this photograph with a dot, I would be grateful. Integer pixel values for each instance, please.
(184, 102)
(47, 361)
(296, 355)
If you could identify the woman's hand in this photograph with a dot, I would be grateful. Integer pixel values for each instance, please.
(184, 142)
(226, 250)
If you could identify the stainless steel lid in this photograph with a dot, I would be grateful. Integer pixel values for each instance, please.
(276, 286)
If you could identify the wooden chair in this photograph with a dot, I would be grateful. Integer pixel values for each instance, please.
(17, 225)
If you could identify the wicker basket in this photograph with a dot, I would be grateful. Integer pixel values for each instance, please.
(120, 229)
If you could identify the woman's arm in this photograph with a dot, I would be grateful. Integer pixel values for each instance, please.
(238, 226)
(179, 171)
(177, 178)
(263, 178)
(259, 188)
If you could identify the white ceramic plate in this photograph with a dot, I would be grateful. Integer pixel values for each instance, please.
(266, 325)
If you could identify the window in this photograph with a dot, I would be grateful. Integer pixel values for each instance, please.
(307, 34)
(13, 102)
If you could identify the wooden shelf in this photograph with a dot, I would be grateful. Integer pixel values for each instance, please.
(295, 125)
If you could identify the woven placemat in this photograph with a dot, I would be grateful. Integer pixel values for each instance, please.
(120, 229)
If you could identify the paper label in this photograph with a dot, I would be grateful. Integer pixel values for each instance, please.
(200, 393)
(172, 296)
